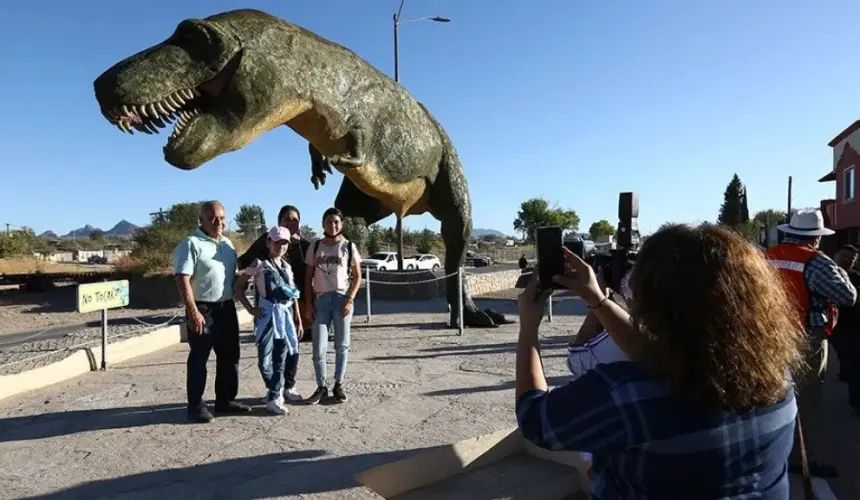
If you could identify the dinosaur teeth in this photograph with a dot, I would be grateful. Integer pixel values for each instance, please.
(149, 118)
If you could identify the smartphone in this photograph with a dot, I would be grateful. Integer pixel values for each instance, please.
(549, 240)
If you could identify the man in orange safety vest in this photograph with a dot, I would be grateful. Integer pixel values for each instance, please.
(817, 285)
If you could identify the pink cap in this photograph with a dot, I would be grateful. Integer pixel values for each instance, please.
(279, 233)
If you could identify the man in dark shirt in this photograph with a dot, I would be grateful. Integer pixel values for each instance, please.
(846, 334)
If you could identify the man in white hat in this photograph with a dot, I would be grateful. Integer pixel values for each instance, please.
(819, 286)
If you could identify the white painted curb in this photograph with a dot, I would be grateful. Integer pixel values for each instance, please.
(86, 360)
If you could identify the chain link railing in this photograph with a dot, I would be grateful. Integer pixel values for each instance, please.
(460, 273)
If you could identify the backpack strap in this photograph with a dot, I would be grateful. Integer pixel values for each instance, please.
(349, 258)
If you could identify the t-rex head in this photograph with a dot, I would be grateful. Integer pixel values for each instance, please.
(224, 79)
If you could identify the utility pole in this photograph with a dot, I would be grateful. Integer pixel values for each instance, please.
(397, 23)
(158, 216)
(7, 229)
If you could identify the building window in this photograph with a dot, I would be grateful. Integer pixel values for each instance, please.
(848, 184)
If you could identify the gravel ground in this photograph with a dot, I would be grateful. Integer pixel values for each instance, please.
(29, 355)
(35, 312)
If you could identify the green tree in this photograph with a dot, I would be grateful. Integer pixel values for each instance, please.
(97, 235)
(154, 244)
(536, 212)
(355, 230)
(374, 239)
(17, 243)
(308, 232)
(770, 217)
(732, 212)
(426, 239)
(601, 228)
(180, 216)
(250, 220)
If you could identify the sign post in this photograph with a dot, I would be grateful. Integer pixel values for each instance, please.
(101, 297)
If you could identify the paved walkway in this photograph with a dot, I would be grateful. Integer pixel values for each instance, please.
(413, 384)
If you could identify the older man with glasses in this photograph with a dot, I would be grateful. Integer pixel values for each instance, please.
(205, 266)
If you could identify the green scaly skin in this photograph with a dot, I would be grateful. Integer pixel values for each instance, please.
(230, 77)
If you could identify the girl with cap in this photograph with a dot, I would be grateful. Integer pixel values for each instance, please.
(277, 322)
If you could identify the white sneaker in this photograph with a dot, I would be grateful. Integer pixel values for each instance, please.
(276, 407)
(293, 395)
(266, 398)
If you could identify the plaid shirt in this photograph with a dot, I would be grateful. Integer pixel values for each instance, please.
(648, 443)
(827, 282)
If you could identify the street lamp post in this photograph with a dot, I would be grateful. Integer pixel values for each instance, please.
(397, 23)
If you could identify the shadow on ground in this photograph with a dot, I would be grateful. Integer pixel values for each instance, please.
(265, 476)
(48, 425)
(469, 350)
(551, 382)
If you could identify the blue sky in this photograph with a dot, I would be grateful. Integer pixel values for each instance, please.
(570, 100)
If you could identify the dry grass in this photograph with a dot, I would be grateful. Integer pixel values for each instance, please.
(30, 266)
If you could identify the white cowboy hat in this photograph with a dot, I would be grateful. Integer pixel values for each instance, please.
(807, 222)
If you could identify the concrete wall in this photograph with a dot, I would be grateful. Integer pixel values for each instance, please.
(480, 284)
(425, 285)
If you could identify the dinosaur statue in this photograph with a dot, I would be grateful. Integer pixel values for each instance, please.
(230, 77)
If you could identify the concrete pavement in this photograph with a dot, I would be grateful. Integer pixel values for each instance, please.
(413, 384)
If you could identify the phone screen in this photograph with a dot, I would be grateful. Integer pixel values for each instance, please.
(549, 241)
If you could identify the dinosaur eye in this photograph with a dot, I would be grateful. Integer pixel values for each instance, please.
(198, 40)
(189, 35)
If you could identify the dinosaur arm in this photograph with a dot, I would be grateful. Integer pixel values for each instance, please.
(356, 139)
(319, 166)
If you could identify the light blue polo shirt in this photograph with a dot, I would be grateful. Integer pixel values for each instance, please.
(211, 263)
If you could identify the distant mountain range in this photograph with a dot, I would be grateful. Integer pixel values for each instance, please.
(480, 233)
(122, 229)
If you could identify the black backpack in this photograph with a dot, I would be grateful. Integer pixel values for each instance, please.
(349, 255)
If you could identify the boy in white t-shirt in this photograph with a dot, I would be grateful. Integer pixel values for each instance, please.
(331, 283)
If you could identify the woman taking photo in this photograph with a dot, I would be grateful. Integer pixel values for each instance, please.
(704, 408)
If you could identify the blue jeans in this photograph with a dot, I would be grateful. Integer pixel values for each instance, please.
(327, 310)
(273, 361)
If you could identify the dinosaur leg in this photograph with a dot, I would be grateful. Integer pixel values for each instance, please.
(450, 204)
(354, 202)
(319, 166)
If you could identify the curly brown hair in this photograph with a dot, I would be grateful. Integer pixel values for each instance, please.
(716, 322)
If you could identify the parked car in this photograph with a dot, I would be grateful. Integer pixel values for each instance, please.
(422, 261)
(477, 260)
(97, 259)
(380, 261)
